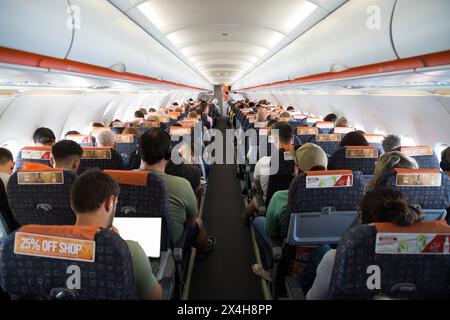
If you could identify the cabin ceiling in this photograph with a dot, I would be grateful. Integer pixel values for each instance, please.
(223, 40)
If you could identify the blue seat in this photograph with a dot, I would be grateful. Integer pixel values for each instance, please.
(306, 134)
(329, 146)
(325, 127)
(281, 180)
(355, 158)
(33, 155)
(41, 195)
(405, 275)
(103, 265)
(424, 155)
(82, 140)
(101, 158)
(126, 144)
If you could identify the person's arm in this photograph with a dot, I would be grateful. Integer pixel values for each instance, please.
(319, 289)
(191, 203)
(274, 211)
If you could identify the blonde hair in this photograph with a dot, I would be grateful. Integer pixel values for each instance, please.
(135, 132)
(341, 122)
(386, 164)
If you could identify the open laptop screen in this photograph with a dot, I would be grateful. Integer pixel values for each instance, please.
(145, 231)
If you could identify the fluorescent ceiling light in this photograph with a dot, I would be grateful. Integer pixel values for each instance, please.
(304, 10)
(147, 10)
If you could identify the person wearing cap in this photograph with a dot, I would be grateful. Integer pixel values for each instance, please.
(309, 157)
(44, 137)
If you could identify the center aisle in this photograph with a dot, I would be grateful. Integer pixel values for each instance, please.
(226, 273)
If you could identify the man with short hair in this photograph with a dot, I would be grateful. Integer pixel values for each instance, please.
(94, 196)
(44, 137)
(106, 139)
(391, 142)
(66, 154)
(6, 165)
(445, 161)
(155, 148)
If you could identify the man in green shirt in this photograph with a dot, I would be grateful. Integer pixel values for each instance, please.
(155, 148)
(309, 157)
(94, 198)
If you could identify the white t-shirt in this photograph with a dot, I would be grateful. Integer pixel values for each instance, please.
(262, 173)
(5, 178)
(319, 289)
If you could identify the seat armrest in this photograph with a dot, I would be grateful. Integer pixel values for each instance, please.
(294, 290)
(164, 258)
(178, 247)
(277, 249)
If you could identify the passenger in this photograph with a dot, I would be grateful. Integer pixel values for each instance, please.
(391, 143)
(66, 154)
(135, 132)
(379, 205)
(6, 165)
(290, 109)
(116, 124)
(139, 117)
(353, 139)
(445, 161)
(155, 148)
(309, 157)
(330, 117)
(71, 133)
(261, 116)
(106, 139)
(151, 110)
(94, 198)
(44, 137)
(262, 171)
(144, 111)
(341, 122)
(191, 172)
(386, 165)
(285, 115)
(97, 125)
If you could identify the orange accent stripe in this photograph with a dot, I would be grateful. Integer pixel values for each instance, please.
(328, 172)
(38, 167)
(429, 60)
(38, 148)
(133, 178)
(24, 58)
(97, 148)
(360, 147)
(76, 232)
(439, 226)
(417, 171)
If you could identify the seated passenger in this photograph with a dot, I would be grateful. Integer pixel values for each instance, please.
(290, 109)
(139, 116)
(97, 125)
(155, 148)
(353, 138)
(71, 133)
(44, 137)
(386, 165)
(6, 165)
(341, 122)
(94, 198)
(331, 117)
(106, 139)
(262, 170)
(309, 157)
(445, 161)
(135, 132)
(66, 154)
(190, 172)
(391, 143)
(379, 205)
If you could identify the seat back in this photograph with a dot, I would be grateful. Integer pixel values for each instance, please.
(306, 134)
(39, 194)
(428, 189)
(424, 155)
(355, 158)
(82, 140)
(101, 158)
(408, 262)
(325, 127)
(328, 142)
(375, 140)
(34, 155)
(281, 180)
(126, 144)
(66, 262)
(5, 211)
(143, 194)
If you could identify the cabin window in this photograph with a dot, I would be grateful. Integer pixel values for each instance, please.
(408, 141)
(11, 145)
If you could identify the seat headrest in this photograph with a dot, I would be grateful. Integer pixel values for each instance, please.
(174, 115)
(151, 124)
(304, 131)
(325, 124)
(328, 137)
(96, 131)
(36, 153)
(79, 138)
(418, 177)
(96, 153)
(358, 152)
(180, 131)
(188, 123)
(417, 151)
(58, 242)
(343, 130)
(133, 178)
(313, 119)
(124, 138)
(260, 124)
(329, 179)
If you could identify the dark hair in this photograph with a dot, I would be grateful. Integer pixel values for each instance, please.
(139, 114)
(285, 131)
(65, 149)
(251, 104)
(175, 103)
(155, 145)
(91, 189)
(271, 122)
(353, 139)
(152, 110)
(445, 159)
(5, 156)
(330, 117)
(98, 125)
(71, 132)
(388, 205)
(44, 136)
(290, 108)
